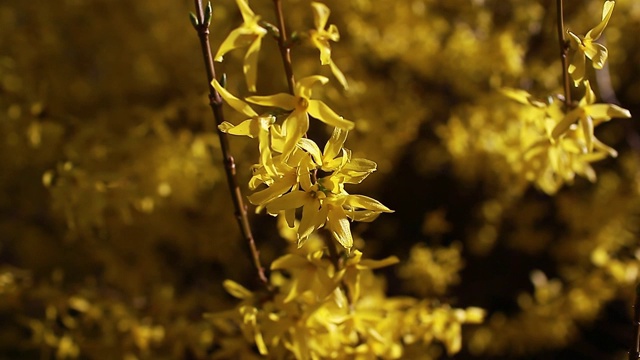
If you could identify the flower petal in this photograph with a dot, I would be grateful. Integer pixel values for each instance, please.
(605, 112)
(312, 148)
(566, 122)
(377, 264)
(266, 158)
(607, 10)
(589, 95)
(597, 144)
(339, 75)
(292, 200)
(586, 123)
(236, 39)
(363, 215)
(338, 225)
(310, 220)
(304, 178)
(332, 33)
(274, 191)
(247, 14)
(598, 55)
(356, 170)
(322, 112)
(365, 202)
(237, 104)
(320, 14)
(236, 290)
(246, 128)
(290, 217)
(250, 66)
(576, 67)
(322, 44)
(304, 85)
(295, 126)
(289, 261)
(335, 143)
(281, 100)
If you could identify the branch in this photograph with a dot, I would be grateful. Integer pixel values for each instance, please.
(201, 22)
(285, 51)
(564, 50)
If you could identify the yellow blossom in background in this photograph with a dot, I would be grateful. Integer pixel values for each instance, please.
(312, 276)
(587, 47)
(250, 33)
(432, 271)
(320, 38)
(315, 312)
(554, 147)
(354, 265)
(131, 238)
(589, 115)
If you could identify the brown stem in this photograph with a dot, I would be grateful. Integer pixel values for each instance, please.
(634, 352)
(285, 51)
(564, 50)
(215, 101)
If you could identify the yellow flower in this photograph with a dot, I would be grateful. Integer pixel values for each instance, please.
(353, 270)
(588, 115)
(326, 160)
(251, 316)
(320, 38)
(250, 34)
(256, 126)
(309, 273)
(301, 106)
(320, 207)
(323, 202)
(586, 46)
(344, 168)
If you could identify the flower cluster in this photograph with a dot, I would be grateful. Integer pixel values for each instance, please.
(558, 145)
(319, 302)
(586, 47)
(322, 312)
(558, 140)
(290, 164)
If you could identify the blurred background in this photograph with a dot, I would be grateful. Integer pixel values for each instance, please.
(115, 224)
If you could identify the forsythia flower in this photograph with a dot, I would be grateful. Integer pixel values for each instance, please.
(551, 165)
(323, 200)
(301, 106)
(554, 149)
(311, 279)
(586, 46)
(344, 168)
(256, 126)
(353, 270)
(589, 115)
(320, 38)
(310, 316)
(321, 207)
(248, 34)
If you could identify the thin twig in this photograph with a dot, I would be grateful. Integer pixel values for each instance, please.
(215, 101)
(634, 352)
(285, 51)
(564, 51)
